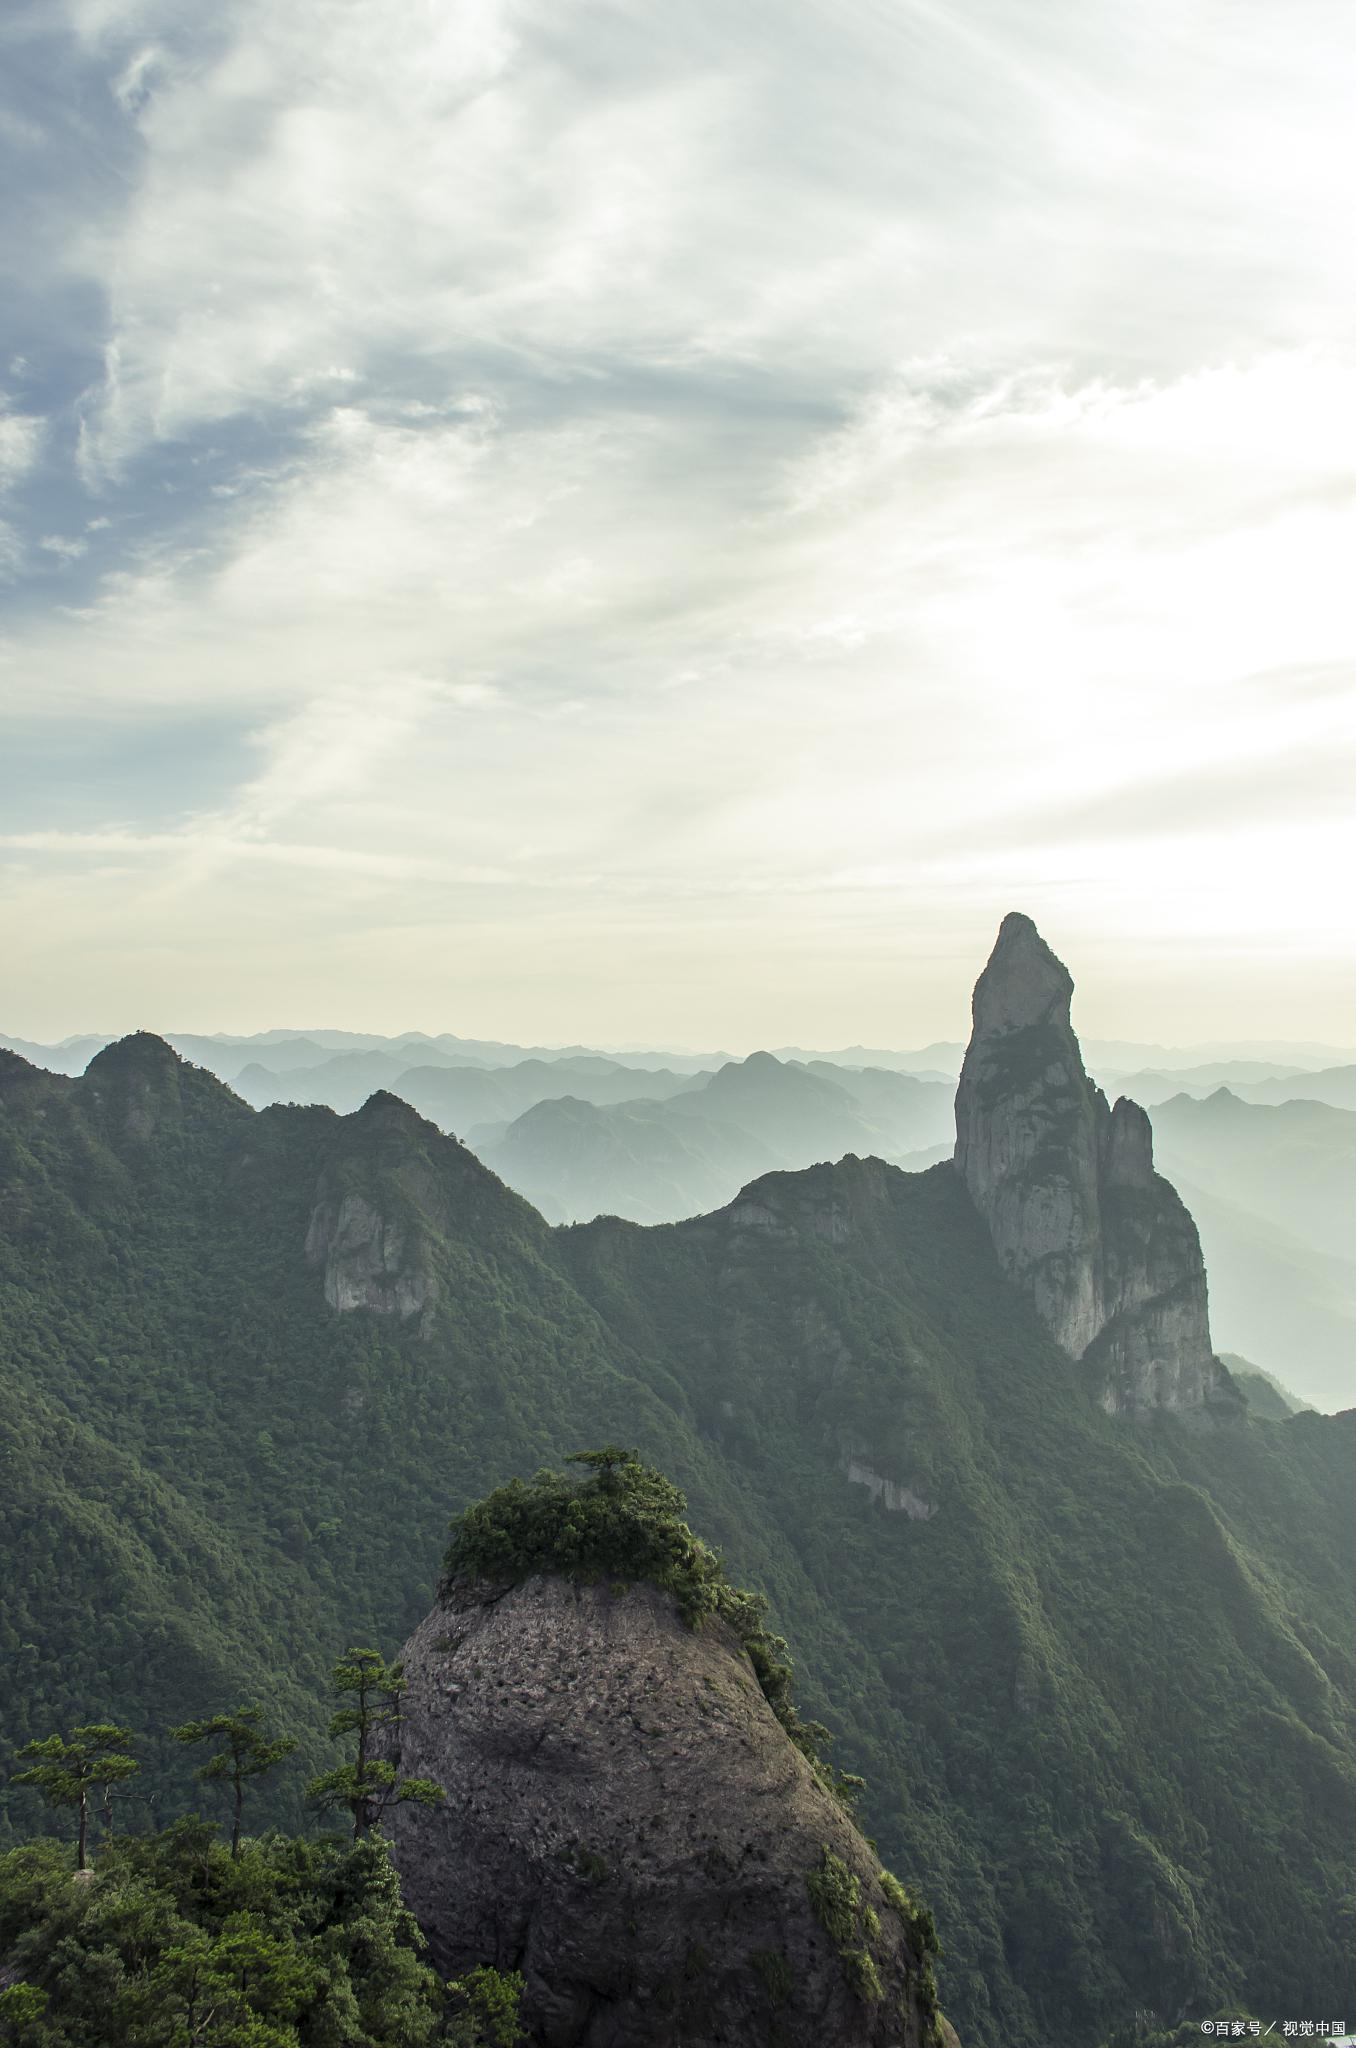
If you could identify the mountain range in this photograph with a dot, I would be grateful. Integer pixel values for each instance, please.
(648, 1136)
(1082, 1619)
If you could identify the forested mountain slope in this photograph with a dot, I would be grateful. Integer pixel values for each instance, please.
(1099, 1671)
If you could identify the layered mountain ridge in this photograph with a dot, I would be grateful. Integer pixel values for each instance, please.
(583, 1134)
(1056, 1640)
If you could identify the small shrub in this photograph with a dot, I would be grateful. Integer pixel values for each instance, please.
(862, 1975)
(835, 1895)
(923, 1928)
(484, 2010)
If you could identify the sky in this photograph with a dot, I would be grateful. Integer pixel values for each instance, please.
(584, 520)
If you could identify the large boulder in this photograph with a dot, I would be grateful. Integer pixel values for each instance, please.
(628, 1823)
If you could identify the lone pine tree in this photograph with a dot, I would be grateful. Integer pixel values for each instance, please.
(246, 1752)
(64, 1770)
(373, 1691)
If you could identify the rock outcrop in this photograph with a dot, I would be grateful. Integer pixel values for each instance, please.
(379, 1207)
(628, 1824)
(366, 1257)
(1103, 1245)
(896, 1499)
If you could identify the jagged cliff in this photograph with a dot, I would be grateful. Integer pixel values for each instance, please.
(627, 1822)
(1103, 1245)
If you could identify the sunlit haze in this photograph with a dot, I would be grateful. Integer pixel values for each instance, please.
(639, 524)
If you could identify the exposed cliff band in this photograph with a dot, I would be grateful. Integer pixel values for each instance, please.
(1103, 1245)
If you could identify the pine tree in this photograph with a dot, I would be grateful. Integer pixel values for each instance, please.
(374, 1690)
(64, 1771)
(246, 1753)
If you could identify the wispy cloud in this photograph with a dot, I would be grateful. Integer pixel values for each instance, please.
(679, 510)
(20, 441)
(218, 848)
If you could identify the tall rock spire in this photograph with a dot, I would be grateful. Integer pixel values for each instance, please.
(1079, 1219)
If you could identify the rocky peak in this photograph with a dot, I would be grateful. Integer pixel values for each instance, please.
(139, 1088)
(1129, 1149)
(1079, 1219)
(627, 1823)
(1024, 984)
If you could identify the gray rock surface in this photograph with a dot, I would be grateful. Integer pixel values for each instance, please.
(627, 1823)
(1102, 1244)
(897, 1499)
(366, 1258)
(381, 1204)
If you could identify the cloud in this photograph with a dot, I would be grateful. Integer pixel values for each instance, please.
(875, 673)
(66, 547)
(820, 189)
(773, 484)
(20, 444)
(216, 848)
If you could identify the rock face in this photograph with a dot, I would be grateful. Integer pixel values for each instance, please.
(628, 1824)
(1079, 1219)
(366, 1258)
(898, 1500)
(378, 1207)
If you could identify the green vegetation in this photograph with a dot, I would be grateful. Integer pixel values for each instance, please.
(859, 1967)
(483, 2009)
(245, 1753)
(67, 1771)
(208, 1475)
(621, 1519)
(372, 1691)
(922, 1934)
(173, 1940)
(1149, 2033)
(836, 1897)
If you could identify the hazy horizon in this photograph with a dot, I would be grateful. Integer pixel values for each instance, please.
(1097, 1017)
(1263, 1051)
(662, 528)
